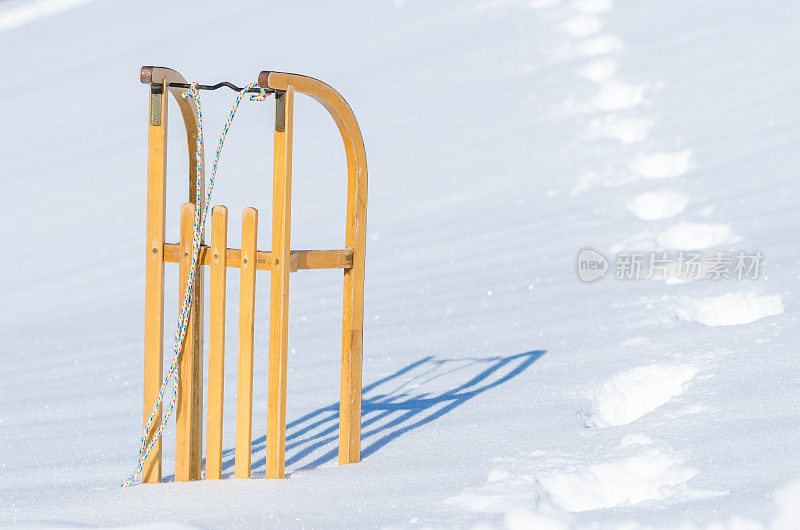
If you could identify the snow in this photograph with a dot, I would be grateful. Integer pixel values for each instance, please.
(593, 6)
(618, 95)
(730, 309)
(787, 514)
(600, 45)
(655, 205)
(522, 519)
(31, 11)
(649, 474)
(692, 236)
(503, 137)
(582, 26)
(598, 71)
(627, 131)
(660, 164)
(632, 393)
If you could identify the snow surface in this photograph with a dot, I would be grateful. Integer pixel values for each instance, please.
(630, 394)
(503, 137)
(730, 309)
(654, 205)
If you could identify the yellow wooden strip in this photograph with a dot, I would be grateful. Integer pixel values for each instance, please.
(186, 430)
(194, 334)
(247, 301)
(353, 299)
(299, 259)
(321, 259)
(233, 256)
(154, 284)
(216, 339)
(279, 291)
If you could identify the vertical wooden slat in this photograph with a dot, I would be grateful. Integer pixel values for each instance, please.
(353, 307)
(216, 339)
(352, 326)
(187, 435)
(194, 332)
(247, 301)
(279, 286)
(154, 277)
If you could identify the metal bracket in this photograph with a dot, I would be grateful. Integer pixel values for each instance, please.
(280, 111)
(156, 102)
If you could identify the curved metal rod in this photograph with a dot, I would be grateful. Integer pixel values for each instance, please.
(227, 84)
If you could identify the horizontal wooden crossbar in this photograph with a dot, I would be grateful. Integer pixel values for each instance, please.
(299, 259)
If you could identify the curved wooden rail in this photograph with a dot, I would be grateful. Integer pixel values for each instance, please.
(160, 75)
(189, 410)
(355, 240)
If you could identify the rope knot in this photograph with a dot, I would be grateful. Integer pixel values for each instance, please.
(192, 92)
(261, 96)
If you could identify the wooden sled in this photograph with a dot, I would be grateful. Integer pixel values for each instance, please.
(279, 260)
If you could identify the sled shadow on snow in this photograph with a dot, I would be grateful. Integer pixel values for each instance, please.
(391, 407)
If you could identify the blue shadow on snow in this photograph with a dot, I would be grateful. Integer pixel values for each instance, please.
(391, 407)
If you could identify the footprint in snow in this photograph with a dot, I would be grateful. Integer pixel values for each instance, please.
(581, 26)
(693, 236)
(626, 130)
(639, 469)
(599, 45)
(599, 70)
(593, 6)
(618, 95)
(633, 393)
(730, 309)
(543, 4)
(654, 205)
(662, 164)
